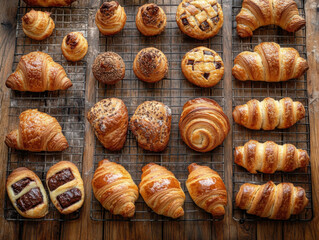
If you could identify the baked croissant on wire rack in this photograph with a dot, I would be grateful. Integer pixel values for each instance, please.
(269, 113)
(269, 157)
(49, 3)
(37, 72)
(270, 63)
(272, 201)
(257, 13)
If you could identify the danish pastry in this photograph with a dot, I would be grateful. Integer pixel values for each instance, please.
(200, 19)
(37, 25)
(203, 67)
(110, 18)
(74, 46)
(27, 194)
(150, 19)
(150, 65)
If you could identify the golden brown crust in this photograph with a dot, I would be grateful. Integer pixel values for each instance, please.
(39, 208)
(74, 46)
(270, 63)
(109, 118)
(161, 191)
(207, 189)
(203, 67)
(271, 201)
(203, 124)
(37, 132)
(269, 113)
(114, 188)
(110, 18)
(199, 19)
(151, 125)
(269, 157)
(49, 3)
(257, 13)
(37, 72)
(150, 65)
(37, 25)
(150, 19)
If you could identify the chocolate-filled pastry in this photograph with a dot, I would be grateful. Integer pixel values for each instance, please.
(150, 19)
(74, 46)
(37, 25)
(27, 194)
(37, 132)
(49, 3)
(151, 125)
(114, 188)
(203, 67)
(150, 65)
(109, 118)
(65, 186)
(199, 19)
(203, 124)
(108, 68)
(110, 18)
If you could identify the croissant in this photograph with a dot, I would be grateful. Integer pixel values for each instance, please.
(37, 25)
(269, 62)
(203, 124)
(269, 113)
(114, 188)
(49, 3)
(207, 189)
(272, 201)
(257, 13)
(269, 157)
(37, 72)
(161, 191)
(37, 132)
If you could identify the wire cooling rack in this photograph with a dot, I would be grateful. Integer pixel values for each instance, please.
(245, 91)
(174, 91)
(66, 106)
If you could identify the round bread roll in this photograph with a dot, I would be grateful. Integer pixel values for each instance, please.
(108, 68)
(74, 46)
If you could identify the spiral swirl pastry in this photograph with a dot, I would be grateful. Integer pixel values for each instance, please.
(150, 19)
(74, 46)
(110, 18)
(37, 25)
(203, 124)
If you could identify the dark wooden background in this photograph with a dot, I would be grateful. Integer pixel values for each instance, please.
(85, 228)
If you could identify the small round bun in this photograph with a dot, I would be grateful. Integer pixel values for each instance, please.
(74, 46)
(110, 18)
(150, 65)
(203, 67)
(150, 19)
(108, 68)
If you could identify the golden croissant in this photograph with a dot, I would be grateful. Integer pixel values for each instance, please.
(269, 157)
(269, 62)
(114, 188)
(37, 72)
(37, 132)
(207, 189)
(272, 201)
(257, 13)
(269, 113)
(49, 3)
(37, 25)
(161, 191)
(203, 124)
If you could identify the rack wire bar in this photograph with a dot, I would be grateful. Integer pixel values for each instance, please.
(299, 134)
(174, 91)
(66, 106)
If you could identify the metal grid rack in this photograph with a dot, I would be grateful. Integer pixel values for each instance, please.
(245, 91)
(66, 106)
(174, 91)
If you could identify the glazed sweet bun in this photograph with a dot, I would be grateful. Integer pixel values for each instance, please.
(74, 46)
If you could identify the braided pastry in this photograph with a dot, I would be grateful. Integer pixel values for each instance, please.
(203, 124)
(269, 113)
(74, 46)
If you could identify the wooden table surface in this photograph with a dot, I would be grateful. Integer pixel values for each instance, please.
(85, 228)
